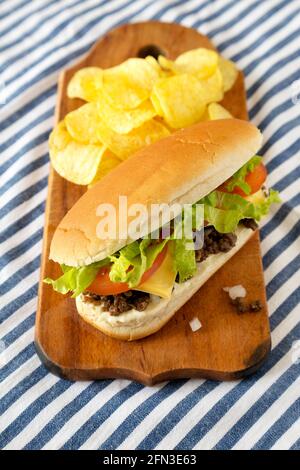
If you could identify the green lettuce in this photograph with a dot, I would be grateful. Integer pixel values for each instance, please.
(238, 179)
(224, 211)
(130, 263)
(184, 251)
(76, 280)
(184, 259)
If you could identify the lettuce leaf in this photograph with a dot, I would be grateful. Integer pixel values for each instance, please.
(224, 211)
(184, 250)
(184, 259)
(238, 179)
(138, 256)
(76, 280)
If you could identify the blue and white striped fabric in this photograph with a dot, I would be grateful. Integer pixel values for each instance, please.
(38, 39)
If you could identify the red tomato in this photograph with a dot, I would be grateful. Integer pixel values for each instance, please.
(102, 285)
(255, 179)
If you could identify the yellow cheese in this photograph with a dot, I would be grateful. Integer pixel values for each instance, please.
(162, 281)
(257, 197)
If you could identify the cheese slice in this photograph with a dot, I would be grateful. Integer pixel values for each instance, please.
(162, 281)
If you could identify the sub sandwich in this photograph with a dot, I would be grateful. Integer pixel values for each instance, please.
(130, 285)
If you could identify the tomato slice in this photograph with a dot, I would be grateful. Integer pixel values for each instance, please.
(255, 179)
(102, 285)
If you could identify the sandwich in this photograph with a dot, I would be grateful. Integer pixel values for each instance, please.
(129, 283)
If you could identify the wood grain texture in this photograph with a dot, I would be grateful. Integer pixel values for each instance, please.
(228, 346)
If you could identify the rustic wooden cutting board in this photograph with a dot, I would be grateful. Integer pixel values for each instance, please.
(228, 346)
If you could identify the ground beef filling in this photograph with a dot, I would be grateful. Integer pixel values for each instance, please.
(249, 223)
(120, 303)
(213, 243)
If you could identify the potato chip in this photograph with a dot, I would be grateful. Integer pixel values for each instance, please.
(163, 72)
(229, 73)
(108, 162)
(129, 84)
(212, 88)
(82, 124)
(156, 104)
(216, 111)
(85, 84)
(165, 124)
(168, 67)
(76, 162)
(200, 62)
(123, 121)
(153, 62)
(124, 145)
(179, 100)
(166, 64)
(59, 138)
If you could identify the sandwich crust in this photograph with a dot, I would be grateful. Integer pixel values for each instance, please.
(181, 168)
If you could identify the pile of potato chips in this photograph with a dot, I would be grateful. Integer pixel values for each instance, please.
(133, 105)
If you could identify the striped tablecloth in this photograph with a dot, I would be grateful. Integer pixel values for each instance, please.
(38, 39)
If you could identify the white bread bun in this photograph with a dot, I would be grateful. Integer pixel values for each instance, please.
(181, 168)
(134, 325)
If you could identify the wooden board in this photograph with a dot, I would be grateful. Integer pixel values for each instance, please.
(228, 346)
